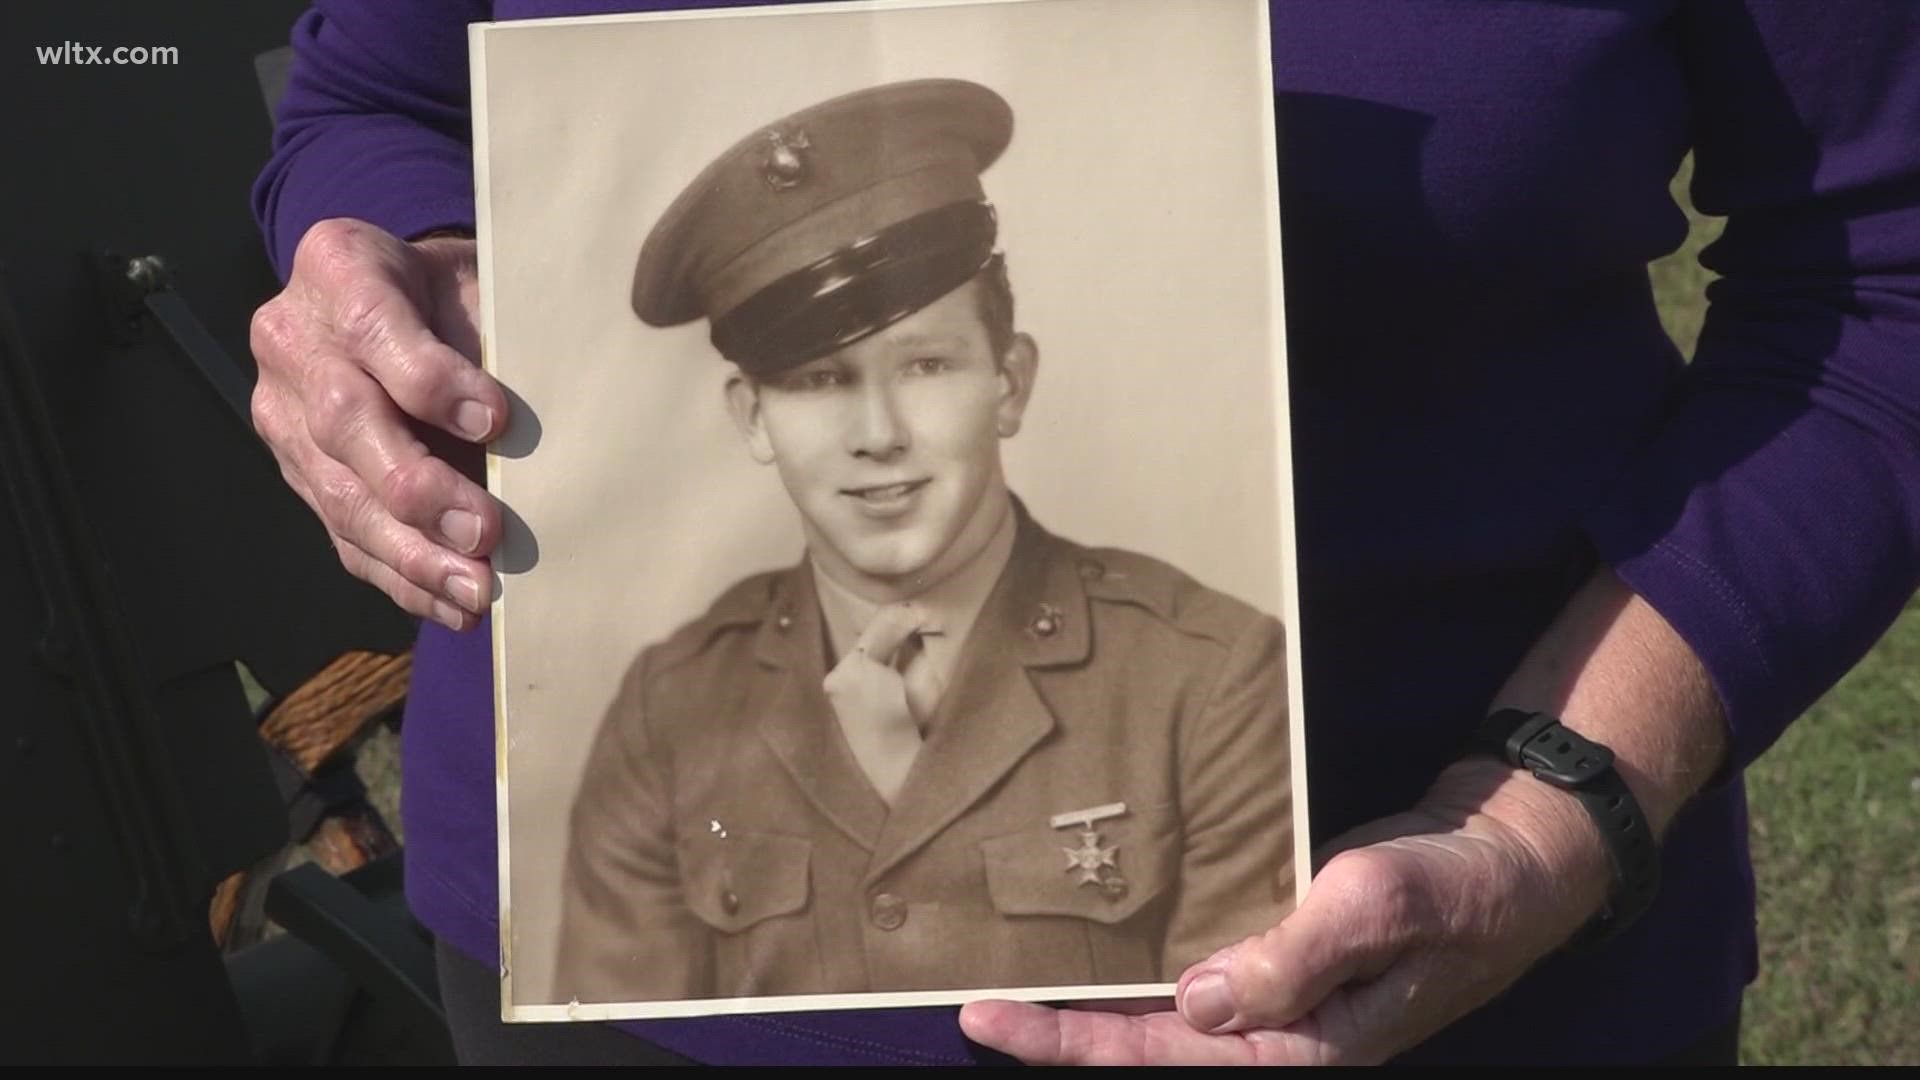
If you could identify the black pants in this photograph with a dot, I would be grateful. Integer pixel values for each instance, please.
(471, 994)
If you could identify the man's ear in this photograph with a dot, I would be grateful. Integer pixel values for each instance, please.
(1019, 366)
(743, 401)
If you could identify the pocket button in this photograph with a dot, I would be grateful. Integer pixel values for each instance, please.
(889, 912)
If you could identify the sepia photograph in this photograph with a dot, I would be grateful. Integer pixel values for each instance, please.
(896, 597)
(817, 533)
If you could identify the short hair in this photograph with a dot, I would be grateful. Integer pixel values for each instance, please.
(996, 306)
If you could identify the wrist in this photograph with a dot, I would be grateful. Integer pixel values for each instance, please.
(1615, 671)
(1549, 826)
(1561, 759)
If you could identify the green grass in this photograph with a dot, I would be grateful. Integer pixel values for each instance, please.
(1836, 833)
(1679, 281)
(1836, 826)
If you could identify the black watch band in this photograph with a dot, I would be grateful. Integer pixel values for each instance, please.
(1537, 742)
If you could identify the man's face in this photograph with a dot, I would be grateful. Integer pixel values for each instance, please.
(890, 448)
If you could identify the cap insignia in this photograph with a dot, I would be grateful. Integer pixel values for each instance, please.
(783, 166)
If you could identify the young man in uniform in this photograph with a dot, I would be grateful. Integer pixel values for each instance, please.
(947, 749)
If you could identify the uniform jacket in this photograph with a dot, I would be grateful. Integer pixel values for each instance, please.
(726, 844)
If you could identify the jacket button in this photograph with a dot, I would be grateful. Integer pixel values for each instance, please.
(784, 621)
(889, 911)
(730, 902)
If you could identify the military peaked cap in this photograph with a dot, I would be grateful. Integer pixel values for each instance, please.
(830, 224)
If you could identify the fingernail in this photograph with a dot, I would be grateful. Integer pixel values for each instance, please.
(466, 591)
(448, 615)
(473, 419)
(1207, 1005)
(462, 527)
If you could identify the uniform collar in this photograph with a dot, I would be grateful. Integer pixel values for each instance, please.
(952, 604)
(1038, 606)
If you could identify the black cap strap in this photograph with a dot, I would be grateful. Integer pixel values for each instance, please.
(862, 288)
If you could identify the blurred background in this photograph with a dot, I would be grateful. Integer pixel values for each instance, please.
(197, 752)
(188, 676)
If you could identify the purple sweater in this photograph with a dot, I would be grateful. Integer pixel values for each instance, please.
(1484, 405)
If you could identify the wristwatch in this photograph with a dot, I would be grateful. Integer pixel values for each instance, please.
(1538, 743)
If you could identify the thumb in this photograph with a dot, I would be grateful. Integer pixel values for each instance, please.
(1335, 937)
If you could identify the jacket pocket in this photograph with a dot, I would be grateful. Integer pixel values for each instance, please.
(754, 891)
(744, 879)
(1132, 861)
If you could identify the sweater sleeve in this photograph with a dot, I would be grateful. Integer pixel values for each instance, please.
(375, 123)
(1773, 517)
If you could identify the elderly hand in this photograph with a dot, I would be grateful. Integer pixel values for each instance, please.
(1420, 918)
(366, 358)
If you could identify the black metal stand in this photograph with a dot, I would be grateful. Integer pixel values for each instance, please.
(140, 785)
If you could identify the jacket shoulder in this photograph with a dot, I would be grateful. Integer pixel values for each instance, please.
(1118, 576)
(740, 609)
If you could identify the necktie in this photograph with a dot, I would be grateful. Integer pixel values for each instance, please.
(880, 709)
(917, 669)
